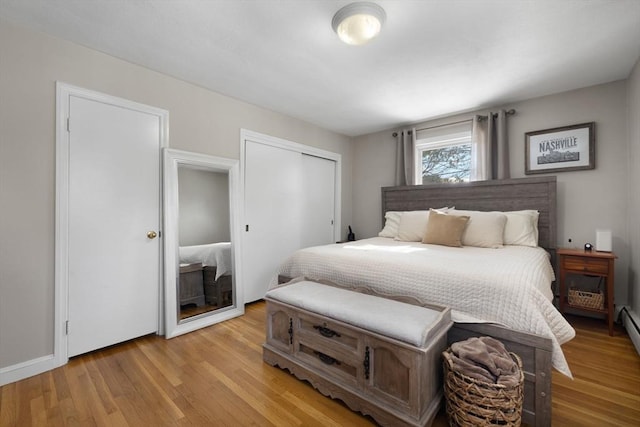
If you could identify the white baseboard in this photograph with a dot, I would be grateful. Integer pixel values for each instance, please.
(628, 317)
(27, 369)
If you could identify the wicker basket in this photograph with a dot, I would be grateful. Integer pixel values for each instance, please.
(586, 299)
(470, 402)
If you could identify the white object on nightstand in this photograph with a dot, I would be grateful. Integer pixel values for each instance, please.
(603, 240)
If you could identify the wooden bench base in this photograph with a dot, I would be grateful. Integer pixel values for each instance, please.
(396, 383)
(353, 400)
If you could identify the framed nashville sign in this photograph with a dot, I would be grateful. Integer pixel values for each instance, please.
(561, 149)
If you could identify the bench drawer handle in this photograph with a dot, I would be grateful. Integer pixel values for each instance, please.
(290, 331)
(366, 363)
(326, 358)
(326, 332)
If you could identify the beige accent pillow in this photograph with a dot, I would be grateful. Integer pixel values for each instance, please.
(521, 228)
(444, 229)
(485, 229)
(413, 225)
(391, 224)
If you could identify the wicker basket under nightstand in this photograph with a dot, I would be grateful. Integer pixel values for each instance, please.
(585, 299)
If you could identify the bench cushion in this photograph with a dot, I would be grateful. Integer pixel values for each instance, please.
(394, 319)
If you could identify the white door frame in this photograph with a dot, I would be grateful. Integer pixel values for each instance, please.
(63, 93)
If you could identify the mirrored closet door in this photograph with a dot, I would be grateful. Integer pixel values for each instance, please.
(201, 280)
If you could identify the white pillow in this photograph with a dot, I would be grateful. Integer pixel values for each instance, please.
(521, 228)
(484, 229)
(391, 224)
(413, 225)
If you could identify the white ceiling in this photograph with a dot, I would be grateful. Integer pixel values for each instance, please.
(432, 58)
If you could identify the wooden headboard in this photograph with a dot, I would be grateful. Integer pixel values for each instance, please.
(537, 193)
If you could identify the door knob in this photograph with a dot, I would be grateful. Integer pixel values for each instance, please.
(152, 234)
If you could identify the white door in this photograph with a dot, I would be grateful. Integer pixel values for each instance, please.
(114, 201)
(272, 188)
(318, 199)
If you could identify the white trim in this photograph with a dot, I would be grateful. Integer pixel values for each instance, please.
(63, 93)
(27, 369)
(633, 333)
(300, 148)
(171, 160)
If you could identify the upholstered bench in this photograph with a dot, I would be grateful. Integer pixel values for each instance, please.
(379, 355)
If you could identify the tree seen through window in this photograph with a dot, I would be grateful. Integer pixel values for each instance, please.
(449, 164)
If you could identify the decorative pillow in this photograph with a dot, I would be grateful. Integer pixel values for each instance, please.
(485, 229)
(391, 224)
(444, 229)
(521, 228)
(413, 225)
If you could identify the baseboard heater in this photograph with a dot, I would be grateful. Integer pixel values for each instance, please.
(631, 327)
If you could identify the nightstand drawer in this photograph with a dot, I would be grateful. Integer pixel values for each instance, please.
(586, 265)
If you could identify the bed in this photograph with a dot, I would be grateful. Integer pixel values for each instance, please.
(215, 262)
(514, 305)
(216, 255)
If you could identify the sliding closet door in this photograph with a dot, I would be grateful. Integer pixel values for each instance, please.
(291, 195)
(272, 189)
(318, 201)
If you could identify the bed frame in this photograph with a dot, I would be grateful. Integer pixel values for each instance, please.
(500, 195)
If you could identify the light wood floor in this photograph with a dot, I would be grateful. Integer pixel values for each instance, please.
(216, 377)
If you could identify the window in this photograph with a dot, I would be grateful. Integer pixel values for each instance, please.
(444, 158)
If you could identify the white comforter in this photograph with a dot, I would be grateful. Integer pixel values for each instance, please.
(212, 255)
(509, 286)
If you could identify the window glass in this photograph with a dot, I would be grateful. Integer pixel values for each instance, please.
(444, 158)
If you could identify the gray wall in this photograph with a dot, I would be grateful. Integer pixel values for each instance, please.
(200, 121)
(203, 200)
(634, 190)
(587, 200)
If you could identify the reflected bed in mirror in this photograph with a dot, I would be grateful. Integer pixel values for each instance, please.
(201, 283)
(206, 281)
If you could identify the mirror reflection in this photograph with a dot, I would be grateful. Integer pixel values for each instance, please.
(204, 233)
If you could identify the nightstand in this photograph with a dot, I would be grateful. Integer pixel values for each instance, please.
(588, 263)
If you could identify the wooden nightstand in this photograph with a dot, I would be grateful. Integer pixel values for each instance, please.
(589, 263)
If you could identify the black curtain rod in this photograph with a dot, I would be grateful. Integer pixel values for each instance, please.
(480, 118)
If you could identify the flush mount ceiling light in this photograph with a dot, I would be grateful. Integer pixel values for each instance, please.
(357, 23)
